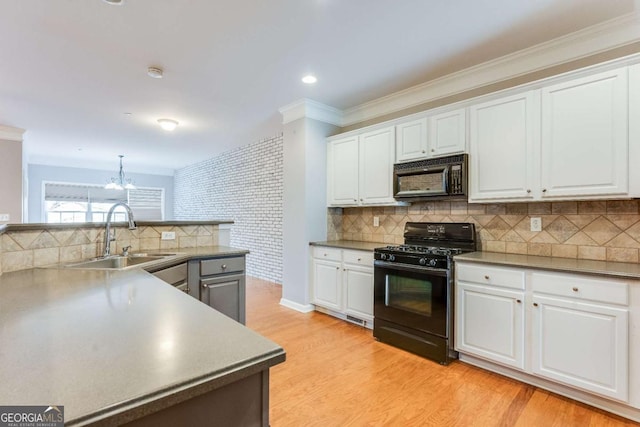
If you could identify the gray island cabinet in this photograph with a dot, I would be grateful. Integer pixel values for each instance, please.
(122, 348)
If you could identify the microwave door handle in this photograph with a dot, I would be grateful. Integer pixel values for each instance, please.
(445, 180)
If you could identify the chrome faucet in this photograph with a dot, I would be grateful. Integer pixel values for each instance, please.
(107, 232)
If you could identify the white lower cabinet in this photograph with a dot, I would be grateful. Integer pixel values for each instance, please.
(571, 329)
(343, 284)
(490, 323)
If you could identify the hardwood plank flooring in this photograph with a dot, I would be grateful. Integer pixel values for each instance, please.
(336, 374)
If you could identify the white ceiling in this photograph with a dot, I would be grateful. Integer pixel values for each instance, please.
(70, 69)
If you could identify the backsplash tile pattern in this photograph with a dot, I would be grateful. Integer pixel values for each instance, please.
(20, 250)
(596, 230)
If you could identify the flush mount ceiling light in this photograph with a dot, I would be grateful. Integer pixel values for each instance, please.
(121, 182)
(114, 2)
(168, 124)
(154, 72)
(309, 79)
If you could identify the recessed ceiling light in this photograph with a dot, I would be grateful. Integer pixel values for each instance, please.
(154, 72)
(309, 79)
(126, 113)
(168, 124)
(114, 2)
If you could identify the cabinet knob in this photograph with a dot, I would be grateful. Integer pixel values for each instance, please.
(361, 200)
(359, 259)
(535, 304)
(528, 190)
(518, 301)
(337, 268)
(325, 254)
(486, 277)
(223, 266)
(433, 150)
(575, 289)
(424, 151)
(544, 190)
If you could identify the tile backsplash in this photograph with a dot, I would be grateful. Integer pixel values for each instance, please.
(20, 250)
(597, 230)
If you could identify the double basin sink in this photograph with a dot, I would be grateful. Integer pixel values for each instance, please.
(121, 262)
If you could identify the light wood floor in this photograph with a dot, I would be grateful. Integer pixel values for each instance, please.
(336, 374)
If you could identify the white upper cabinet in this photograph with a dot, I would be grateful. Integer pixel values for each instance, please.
(584, 136)
(377, 153)
(564, 141)
(360, 169)
(447, 133)
(502, 137)
(411, 140)
(342, 171)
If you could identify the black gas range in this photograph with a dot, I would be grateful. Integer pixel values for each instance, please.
(413, 288)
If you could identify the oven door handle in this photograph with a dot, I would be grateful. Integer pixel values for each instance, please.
(405, 267)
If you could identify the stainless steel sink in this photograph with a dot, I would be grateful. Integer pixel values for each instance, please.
(118, 262)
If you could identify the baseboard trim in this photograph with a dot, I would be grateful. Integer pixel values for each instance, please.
(302, 308)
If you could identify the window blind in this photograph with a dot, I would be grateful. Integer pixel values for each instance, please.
(147, 203)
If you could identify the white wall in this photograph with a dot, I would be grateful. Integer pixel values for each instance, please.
(37, 174)
(243, 185)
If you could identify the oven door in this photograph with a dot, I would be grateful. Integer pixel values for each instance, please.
(415, 297)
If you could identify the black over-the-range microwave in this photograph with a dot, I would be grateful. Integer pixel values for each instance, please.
(431, 179)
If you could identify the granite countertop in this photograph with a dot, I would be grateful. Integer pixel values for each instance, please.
(350, 244)
(113, 345)
(567, 265)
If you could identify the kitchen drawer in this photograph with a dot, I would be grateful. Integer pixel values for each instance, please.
(488, 275)
(586, 288)
(332, 254)
(358, 257)
(173, 275)
(221, 265)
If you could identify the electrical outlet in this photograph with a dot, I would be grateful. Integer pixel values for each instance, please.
(536, 224)
(4, 217)
(168, 235)
(376, 221)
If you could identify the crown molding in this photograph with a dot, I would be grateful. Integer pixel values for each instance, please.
(311, 109)
(8, 133)
(589, 41)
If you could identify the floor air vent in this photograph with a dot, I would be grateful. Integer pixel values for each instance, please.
(356, 320)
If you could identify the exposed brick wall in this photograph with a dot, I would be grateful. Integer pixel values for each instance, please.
(244, 185)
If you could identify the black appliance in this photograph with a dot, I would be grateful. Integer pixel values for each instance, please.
(413, 288)
(431, 179)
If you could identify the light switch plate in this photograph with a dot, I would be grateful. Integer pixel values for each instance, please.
(4, 217)
(168, 235)
(376, 221)
(536, 224)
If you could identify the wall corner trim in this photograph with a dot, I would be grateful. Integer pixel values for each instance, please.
(598, 38)
(9, 133)
(302, 308)
(311, 109)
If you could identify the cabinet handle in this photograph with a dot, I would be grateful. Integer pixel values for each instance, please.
(325, 254)
(544, 190)
(337, 268)
(528, 190)
(575, 289)
(223, 266)
(359, 259)
(518, 301)
(361, 200)
(355, 200)
(535, 304)
(486, 277)
(433, 150)
(424, 151)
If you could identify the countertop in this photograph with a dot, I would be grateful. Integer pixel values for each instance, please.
(44, 226)
(113, 345)
(567, 265)
(350, 244)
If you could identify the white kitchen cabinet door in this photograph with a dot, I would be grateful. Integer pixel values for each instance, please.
(358, 284)
(411, 140)
(584, 143)
(377, 154)
(581, 344)
(490, 323)
(342, 172)
(327, 284)
(502, 140)
(447, 133)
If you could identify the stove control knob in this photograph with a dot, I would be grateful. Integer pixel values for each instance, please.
(423, 261)
(392, 258)
(433, 262)
(383, 256)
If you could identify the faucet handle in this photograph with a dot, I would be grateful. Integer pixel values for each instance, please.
(125, 250)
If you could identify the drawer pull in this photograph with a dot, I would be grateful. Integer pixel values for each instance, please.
(575, 289)
(337, 268)
(486, 277)
(223, 266)
(535, 304)
(359, 259)
(325, 254)
(518, 301)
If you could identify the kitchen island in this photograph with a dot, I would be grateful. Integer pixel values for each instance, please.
(118, 347)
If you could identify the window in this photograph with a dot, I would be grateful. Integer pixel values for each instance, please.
(77, 203)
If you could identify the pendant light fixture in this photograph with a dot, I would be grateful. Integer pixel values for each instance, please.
(120, 183)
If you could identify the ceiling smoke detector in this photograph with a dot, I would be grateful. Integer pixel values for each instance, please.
(114, 2)
(168, 124)
(154, 72)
